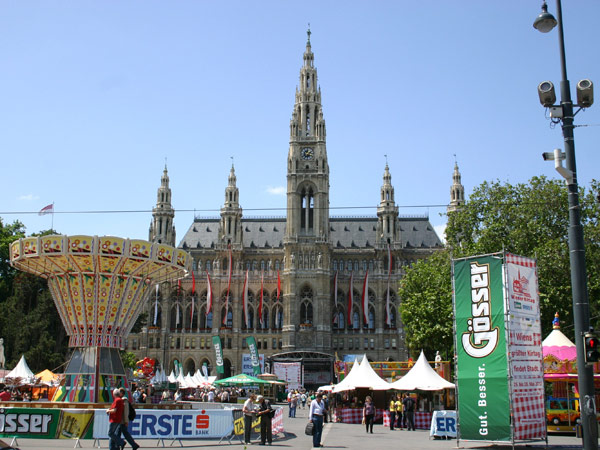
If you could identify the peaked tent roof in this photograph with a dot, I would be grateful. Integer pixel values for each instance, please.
(557, 344)
(363, 377)
(22, 370)
(347, 381)
(241, 379)
(421, 377)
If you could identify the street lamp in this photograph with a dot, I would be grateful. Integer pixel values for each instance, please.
(563, 113)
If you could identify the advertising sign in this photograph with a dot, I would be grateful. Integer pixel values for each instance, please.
(218, 354)
(253, 355)
(169, 424)
(34, 423)
(247, 363)
(482, 361)
(290, 373)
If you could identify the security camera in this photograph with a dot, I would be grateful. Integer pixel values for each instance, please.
(546, 93)
(585, 93)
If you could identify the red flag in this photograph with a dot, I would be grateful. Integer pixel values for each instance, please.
(179, 287)
(228, 287)
(365, 298)
(245, 299)
(49, 209)
(193, 283)
(278, 285)
(350, 302)
(209, 294)
(260, 305)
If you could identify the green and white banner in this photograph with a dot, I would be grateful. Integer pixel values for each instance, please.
(482, 361)
(253, 355)
(218, 354)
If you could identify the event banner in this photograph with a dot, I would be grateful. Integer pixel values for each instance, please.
(482, 364)
(247, 363)
(218, 354)
(525, 348)
(253, 354)
(39, 423)
(291, 373)
(169, 424)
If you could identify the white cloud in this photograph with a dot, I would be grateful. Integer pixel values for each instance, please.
(276, 190)
(441, 231)
(28, 197)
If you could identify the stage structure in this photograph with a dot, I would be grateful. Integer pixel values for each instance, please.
(99, 286)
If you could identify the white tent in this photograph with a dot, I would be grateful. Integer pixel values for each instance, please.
(421, 377)
(363, 377)
(22, 371)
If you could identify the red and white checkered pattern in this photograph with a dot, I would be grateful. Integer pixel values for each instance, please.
(277, 421)
(355, 415)
(509, 258)
(529, 414)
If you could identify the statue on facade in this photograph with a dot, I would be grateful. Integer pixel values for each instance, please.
(2, 358)
(320, 260)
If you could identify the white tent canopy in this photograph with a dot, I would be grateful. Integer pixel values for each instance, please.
(363, 377)
(421, 377)
(22, 371)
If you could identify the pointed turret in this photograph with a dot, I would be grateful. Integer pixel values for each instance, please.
(457, 191)
(230, 228)
(388, 231)
(162, 229)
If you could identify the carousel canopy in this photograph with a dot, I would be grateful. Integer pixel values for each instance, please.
(422, 377)
(22, 371)
(558, 345)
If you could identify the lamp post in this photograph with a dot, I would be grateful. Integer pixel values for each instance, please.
(581, 316)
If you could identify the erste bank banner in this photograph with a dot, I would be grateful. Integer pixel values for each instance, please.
(482, 361)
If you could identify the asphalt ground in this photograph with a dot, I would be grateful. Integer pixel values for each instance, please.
(335, 436)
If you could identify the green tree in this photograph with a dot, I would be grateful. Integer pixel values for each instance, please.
(531, 219)
(8, 234)
(426, 308)
(129, 359)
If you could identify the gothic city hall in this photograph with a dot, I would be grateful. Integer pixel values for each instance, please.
(308, 287)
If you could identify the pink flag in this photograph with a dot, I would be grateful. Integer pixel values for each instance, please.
(365, 298)
(47, 210)
(209, 294)
(245, 299)
(350, 302)
(260, 305)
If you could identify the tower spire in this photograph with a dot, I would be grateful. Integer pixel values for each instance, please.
(457, 190)
(162, 229)
(388, 230)
(230, 227)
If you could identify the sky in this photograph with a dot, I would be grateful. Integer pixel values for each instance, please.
(96, 96)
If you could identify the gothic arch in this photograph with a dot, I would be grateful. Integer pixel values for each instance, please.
(306, 304)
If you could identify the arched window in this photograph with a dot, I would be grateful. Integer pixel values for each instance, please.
(307, 210)
(339, 318)
(335, 264)
(306, 307)
(277, 316)
(264, 324)
(393, 312)
(370, 324)
(250, 312)
(176, 317)
(355, 318)
(229, 322)
(276, 264)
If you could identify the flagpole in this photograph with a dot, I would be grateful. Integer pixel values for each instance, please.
(52, 221)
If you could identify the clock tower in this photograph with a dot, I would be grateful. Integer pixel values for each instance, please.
(306, 277)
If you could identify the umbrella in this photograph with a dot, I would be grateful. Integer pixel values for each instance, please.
(240, 380)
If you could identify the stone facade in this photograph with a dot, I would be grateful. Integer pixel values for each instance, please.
(308, 251)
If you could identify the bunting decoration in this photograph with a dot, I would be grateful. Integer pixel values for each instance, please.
(278, 285)
(365, 298)
(230, 266)
(260, 304)
(209, 294)
(245, 299)
(350, 301)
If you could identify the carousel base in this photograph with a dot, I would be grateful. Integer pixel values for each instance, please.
(91, 375)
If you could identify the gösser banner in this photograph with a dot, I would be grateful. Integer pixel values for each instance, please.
(482, 365)
(498, 338)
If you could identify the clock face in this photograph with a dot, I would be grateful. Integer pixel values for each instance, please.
(307, 153)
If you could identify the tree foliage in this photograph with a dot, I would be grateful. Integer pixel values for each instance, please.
(426, 307)
(531, 219)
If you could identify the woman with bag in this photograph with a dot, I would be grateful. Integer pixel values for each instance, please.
(369, 414)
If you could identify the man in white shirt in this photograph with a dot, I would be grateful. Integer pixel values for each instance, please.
(248, 410)
(315, 415)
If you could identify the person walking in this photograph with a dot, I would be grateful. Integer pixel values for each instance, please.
(115, 416)
(248, 410)
(392, 410)
(303, 398)
(369, 414)
(266, 413)
(293, 405)
(409, 412)
(315, 415)
(125, 421)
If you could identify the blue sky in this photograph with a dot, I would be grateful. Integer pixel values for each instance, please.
(94, 95)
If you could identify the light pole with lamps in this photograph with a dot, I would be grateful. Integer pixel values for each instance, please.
(563, 113)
